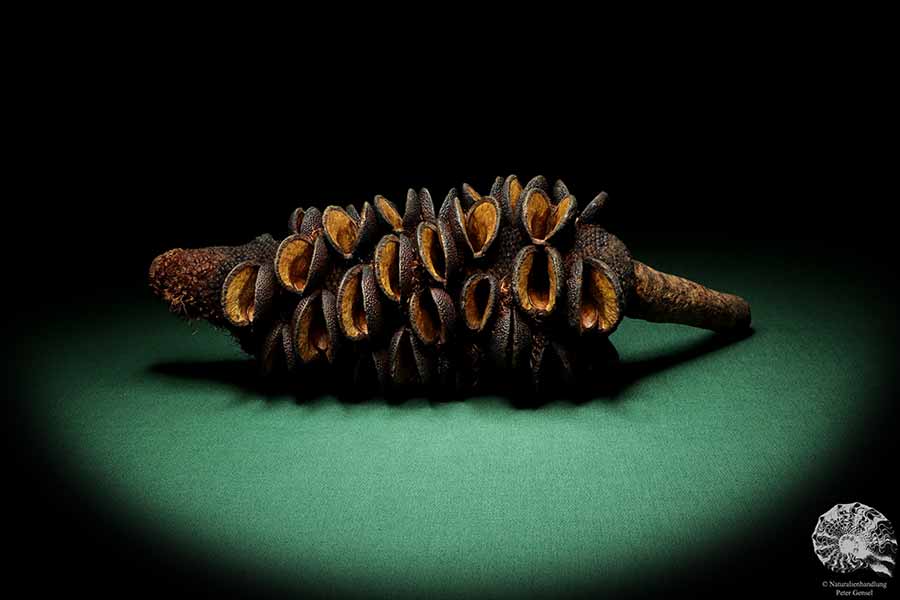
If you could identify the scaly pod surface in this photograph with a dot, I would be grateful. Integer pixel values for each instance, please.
(486, 288)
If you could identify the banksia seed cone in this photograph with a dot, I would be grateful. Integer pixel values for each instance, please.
(517, 281)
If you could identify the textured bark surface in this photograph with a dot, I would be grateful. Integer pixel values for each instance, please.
(190, 280)
(665, 298)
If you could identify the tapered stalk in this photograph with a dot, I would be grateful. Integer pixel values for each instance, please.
(664, 298)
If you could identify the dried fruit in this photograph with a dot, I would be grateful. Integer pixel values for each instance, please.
(482, 223)
(516, 281)
(542, 218)
(437, 250)
(537, 280)
(479, 300)
(346, 230)
(315, 327)
(359, 304)
(394, 262)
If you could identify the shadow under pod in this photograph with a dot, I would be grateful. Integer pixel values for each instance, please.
(623, 374)
(607, 386)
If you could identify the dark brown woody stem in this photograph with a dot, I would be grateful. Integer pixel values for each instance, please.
(664, 298)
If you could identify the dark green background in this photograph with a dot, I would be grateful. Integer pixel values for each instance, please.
(704, 446)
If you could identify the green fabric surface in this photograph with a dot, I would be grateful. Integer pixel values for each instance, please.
(471, 496)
